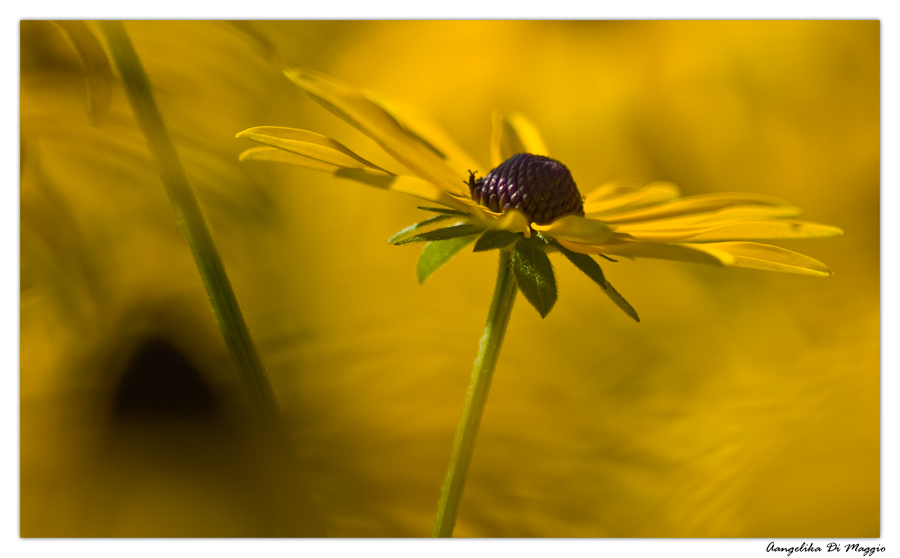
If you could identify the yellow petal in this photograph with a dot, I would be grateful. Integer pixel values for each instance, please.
(768, 230)
(652, 194)
(371, 119)
(699, 253)
(513, 133)
(424, 128)
(749, 255)
(615, 187)
(409, 185)
(726, 216)
(97, 69)
(274, 155)
(308, 144)
(703, 204)
(747, 230)
(772, 258)
(577, 229)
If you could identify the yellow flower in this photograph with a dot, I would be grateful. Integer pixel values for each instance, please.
(527, 192)
(650, 222)
(527, 205)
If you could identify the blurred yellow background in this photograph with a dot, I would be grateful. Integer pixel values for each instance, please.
(745, 403)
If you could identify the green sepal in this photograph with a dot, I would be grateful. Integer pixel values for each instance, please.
(495, 239)
(436, 254)
(621, 302)
(453, 231)
(412, 228)
(546, 243)
(444, 211)
(534, 276)
(585, 263)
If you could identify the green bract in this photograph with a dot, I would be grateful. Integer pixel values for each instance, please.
(531, 267)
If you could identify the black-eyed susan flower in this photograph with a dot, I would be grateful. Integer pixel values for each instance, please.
(526, 206)
(530, 203)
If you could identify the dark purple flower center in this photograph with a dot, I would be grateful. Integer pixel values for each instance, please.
(539, 186)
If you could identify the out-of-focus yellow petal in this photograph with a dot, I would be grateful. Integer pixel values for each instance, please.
(652, 194)
(97, 70)
(275, 155)
(577, 229)
(309, 145)
(371, 119)
(430, 133)
(692, 253)
(772, 258)
(409, 185)
(741, 230)
(704, 204)
(614, 187)
(513, 133)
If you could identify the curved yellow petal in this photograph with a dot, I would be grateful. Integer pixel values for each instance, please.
(98, 73)
(615, 187)
(707, 205)
(371, 119)
(409, 185)
(699, 253)
(766, 230)
(577, 229)
(424, 128)
(751, 255)
(754, 255)
(746, 230)
(308, 144)
(513, 133)
(652, 194)
(726, 216)
(275, 155)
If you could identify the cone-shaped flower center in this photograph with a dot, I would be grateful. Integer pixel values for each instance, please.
(540, 187)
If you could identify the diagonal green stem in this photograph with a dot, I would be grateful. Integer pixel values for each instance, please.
(467, 430)
(193, 224)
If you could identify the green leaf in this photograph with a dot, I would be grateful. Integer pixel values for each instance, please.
(443, 210)
(585, 263)
(496, 239)
(534, 276)
(453, 231)
(621, 302)
(426, 223)
(436, 254)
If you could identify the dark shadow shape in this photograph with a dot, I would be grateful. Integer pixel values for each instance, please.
(159, 382)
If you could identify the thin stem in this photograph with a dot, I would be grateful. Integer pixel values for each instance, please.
(194, 227)
(467, 430)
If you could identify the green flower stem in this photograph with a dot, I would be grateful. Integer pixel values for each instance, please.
(193, 224)
(467, 430)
